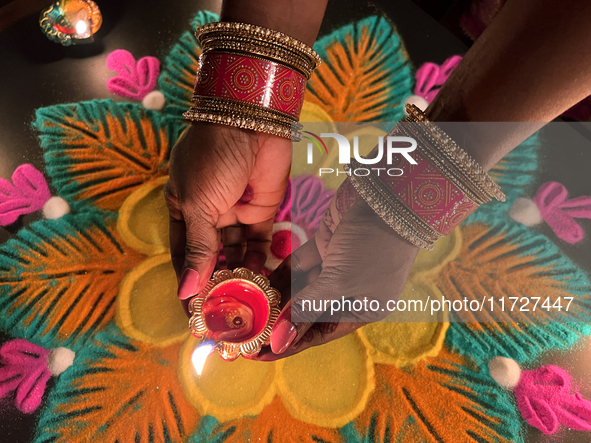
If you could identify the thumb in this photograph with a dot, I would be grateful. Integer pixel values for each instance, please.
(295, 320)
(194, 245)
(201, 249)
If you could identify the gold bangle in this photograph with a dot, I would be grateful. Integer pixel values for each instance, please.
(245, 40)
(462, 172)
(263, 34)
(242, 120)
(239, 107)
(457, 155)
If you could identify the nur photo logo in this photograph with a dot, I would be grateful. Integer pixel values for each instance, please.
(385, 145)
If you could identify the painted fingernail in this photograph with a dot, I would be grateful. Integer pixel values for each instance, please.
(188, 284)
(282, 336)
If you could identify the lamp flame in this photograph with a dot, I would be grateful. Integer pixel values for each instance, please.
(81, 28)
(200, 355)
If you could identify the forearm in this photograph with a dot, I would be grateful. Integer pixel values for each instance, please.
(530, 65)
(299, 19)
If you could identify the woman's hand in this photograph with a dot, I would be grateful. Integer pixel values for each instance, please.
(225, 183)
(365, 258)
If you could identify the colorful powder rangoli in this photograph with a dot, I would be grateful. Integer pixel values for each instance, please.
(99, 282)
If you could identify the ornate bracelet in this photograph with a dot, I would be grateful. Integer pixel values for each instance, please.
(389, 208)
(454, 154)
(435, 157)
(279, 40)
(425, 192)
(432, 196)
(251, 77)
(251, 80)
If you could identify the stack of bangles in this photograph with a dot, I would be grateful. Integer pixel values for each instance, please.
(433, 196)
(251, 77)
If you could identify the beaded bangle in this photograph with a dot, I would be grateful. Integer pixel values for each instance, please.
(251, 77)
(421, 228)
(214, 104)
(263, 34)
(425, 192)
(241, 115)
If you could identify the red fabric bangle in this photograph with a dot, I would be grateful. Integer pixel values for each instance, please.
(422, 188)
(252, 80)
(429, 194)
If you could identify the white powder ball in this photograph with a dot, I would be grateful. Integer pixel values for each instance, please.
(154, 100)
(55, 208)
(525, 211)
(505, 371)
(60, 359)
(419, 102)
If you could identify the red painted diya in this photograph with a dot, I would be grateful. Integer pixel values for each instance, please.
(236, 310)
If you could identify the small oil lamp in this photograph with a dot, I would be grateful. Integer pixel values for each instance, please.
(71, 22)
(234, 315)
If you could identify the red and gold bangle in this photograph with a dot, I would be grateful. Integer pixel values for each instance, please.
(251, 77)
(470, 170)
(423, 206)
(249, 46)
(440, 162)
(389, 207)
(251, 80)
(432, 197)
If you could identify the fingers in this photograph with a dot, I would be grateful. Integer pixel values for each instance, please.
(322, 302)
(286, 331)
(281, 279)
(201, 253)
(323, 237)
(177, 230)
(247, 246)
(300, 269)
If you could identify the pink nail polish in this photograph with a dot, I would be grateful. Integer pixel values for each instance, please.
(188, 284)
(282, 336)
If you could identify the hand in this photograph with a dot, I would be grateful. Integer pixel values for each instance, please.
(364, 258)
(225, 183)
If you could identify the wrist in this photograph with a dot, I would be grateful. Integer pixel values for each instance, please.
(299, 19)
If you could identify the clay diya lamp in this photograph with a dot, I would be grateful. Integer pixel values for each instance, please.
(234, 315)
